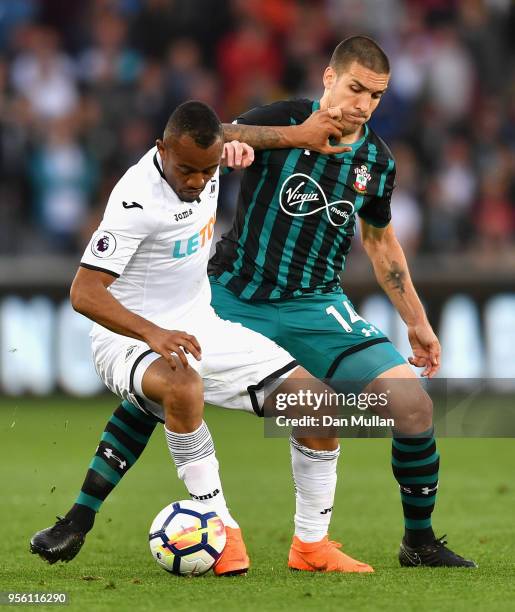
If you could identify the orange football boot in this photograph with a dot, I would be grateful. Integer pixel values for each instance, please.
(234, 559)
(322, 556)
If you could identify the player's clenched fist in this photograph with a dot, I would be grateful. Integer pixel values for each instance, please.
(319, 127)
(168, 341)
(237, 155)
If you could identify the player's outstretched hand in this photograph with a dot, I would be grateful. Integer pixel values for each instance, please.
(426, 349)
(168, 341)
(237, 155)
(319, 127)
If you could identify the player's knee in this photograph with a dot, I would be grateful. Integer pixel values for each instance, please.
(425, 408)
(183, 394)
(418, 416)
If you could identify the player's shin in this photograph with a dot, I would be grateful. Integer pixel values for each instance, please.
(314, 475)
(194, 456)
(314, 453)
(415, 464)
(124, 438)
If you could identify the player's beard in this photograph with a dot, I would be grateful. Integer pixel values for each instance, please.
(349, 129)
(188, 198)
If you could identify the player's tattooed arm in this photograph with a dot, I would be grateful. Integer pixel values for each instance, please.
(258, 137)
(396, 277)
(313, 134)
(391, 270)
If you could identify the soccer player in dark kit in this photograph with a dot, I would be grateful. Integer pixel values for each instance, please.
(277, 272)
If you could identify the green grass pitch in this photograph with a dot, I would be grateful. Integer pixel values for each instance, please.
(47, 444)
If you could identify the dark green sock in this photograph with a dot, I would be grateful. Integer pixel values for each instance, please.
(125, 437)
(415, 463)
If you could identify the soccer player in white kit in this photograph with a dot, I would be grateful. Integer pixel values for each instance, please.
(142, 275)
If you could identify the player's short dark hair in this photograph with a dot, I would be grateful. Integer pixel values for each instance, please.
(363, 50)
(197, 120)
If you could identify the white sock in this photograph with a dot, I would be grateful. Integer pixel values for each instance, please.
(194, 456)
(314, 475)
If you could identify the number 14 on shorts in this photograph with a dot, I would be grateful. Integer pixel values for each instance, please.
(354, 317)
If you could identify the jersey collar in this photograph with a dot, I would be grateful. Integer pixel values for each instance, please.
(156, 160)
(158, 166)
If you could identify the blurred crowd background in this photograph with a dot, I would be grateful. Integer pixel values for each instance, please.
(86, 87)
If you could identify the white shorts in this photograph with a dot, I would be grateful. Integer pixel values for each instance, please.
(236, 363)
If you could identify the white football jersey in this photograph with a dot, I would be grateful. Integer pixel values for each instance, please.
(156, 245)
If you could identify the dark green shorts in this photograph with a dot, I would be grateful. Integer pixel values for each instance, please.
(322, 332)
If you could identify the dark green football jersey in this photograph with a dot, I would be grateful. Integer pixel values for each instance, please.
(297, 211)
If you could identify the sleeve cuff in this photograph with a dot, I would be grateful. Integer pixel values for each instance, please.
(375, 223)
(98, 269)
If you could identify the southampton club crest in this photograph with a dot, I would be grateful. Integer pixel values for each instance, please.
(362, 178)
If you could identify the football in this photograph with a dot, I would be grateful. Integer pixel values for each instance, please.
(186, 538)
